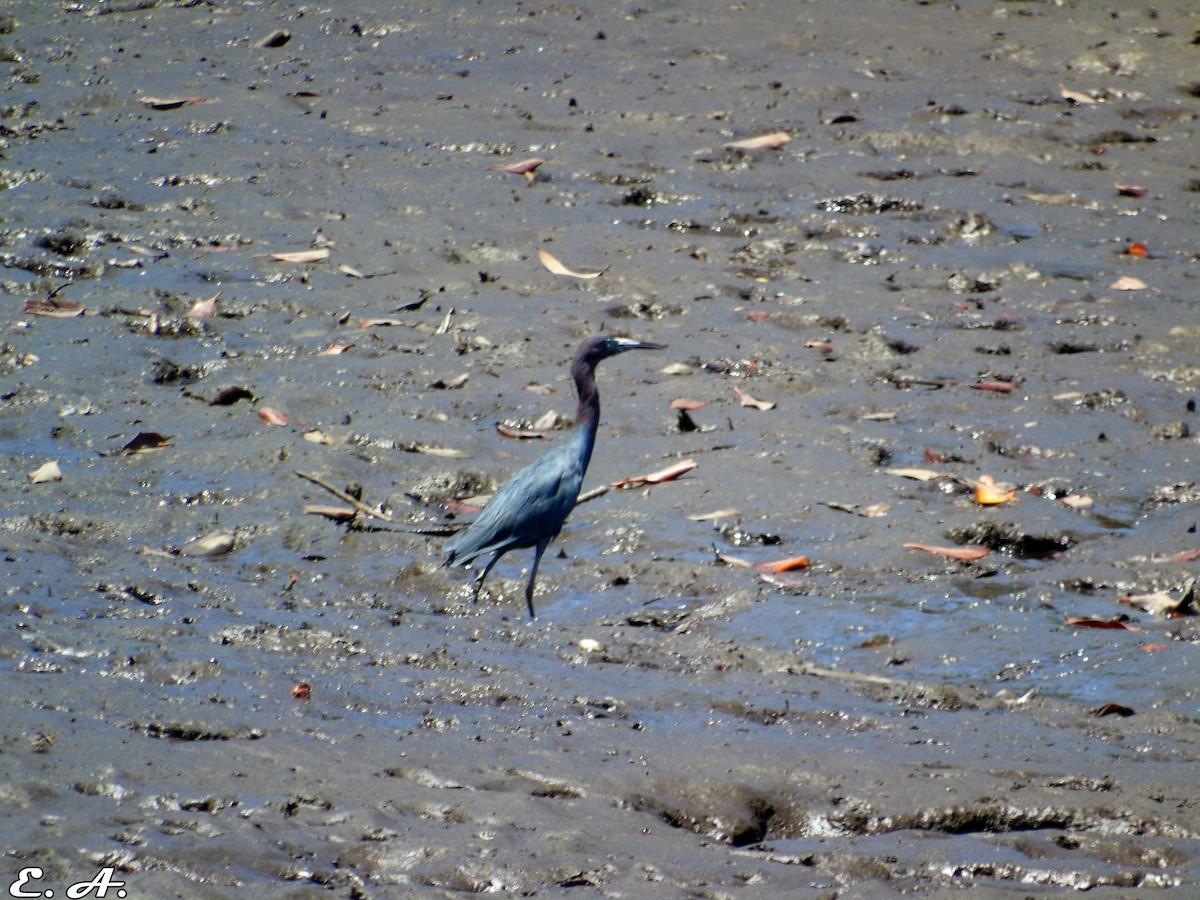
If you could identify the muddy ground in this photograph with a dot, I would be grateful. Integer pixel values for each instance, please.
(931, 274)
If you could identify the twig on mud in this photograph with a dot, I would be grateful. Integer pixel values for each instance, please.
(592, 494)
(342, 495)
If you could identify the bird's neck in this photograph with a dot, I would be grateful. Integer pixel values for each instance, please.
(587, 413)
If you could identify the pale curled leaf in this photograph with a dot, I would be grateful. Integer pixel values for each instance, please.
(916, 474)
(1076, 96)
(272, 416)
(216, 544)
(297, 256)
(753, 402)
(47, 471)
(204, 309)
(668, 474)
(772, 141)
(553, 265)
(524, 167)
(1128, 283)
(965, 552)
(715, 515)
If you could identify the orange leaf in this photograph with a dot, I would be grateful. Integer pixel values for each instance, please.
(1137, 248)
(784, 565)
(272, 416)
(668, 474)
(967, 551)
(685, 403)
(989, 493)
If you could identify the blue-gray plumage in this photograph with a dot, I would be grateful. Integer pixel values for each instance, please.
(529, 510)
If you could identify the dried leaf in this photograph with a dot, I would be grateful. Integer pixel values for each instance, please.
(204, 309)
(1077, 501)
(714, 516)
(383, 322)
(874, 511)
(444, 452)
(998, 387)
(735, 561)
(990, 493)
(316, 436)
(1130, 190)
(546, 421)
(524, 167)
(670, 473)
(915, 474)
(450, 384)
(772, 141)
(1113, 709)
(274, 40)
(230, 395)
(1076, 96)
(1138, 249)
(823, 346)
(145, 441)
(47, 471)
(747, 400)
(216, 544)
(784, 565)
(272, 416)
(302, 691)
(878, 417)
(589, 645)
(1052, 199)
(351, 271)
(169, 102)
(552, 263)
(1163, 605)
(1120, 623)
(520, 433)
(1128, 283)
(965, 552)
(685, 404)
(54, 309)
(337, 513)
(297, 256)
(334, 349)
(677, 369)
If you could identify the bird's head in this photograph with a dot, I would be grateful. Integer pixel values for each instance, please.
(602, 346)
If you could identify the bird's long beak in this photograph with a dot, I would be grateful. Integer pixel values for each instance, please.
(630, 344)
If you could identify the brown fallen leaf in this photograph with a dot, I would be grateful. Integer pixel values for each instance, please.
(747, 400)
(297, 256)
(965, 552)
(758, 315)
(1130, 190)
(556, 267)
(204, 309)
(520, 433)
(54, 309)
(873, 511)
(689, 405)
(1128, 283)
(272, 416)
(169, 102)
(337, 513)
(990, 493)
(772, 141)
(145, 441)
(46, 472)
(1113, 709)
(302, 691)
(1120, 623)
(1151, 646)
(670, 473)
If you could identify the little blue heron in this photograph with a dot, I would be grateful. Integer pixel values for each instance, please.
(529, 510)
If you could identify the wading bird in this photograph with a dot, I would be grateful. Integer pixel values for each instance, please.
(529, 510)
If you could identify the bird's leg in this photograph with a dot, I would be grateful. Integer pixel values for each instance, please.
(484, 574)
(537, 558)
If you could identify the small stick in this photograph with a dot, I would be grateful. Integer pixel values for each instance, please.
(342, 495)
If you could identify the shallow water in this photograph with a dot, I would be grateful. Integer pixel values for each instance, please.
(885, 722)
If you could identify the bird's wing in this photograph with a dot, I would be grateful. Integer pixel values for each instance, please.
(532, 505)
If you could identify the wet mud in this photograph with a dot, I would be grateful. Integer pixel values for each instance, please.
(974, 255)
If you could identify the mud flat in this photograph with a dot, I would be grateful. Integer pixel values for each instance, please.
(975, 254)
